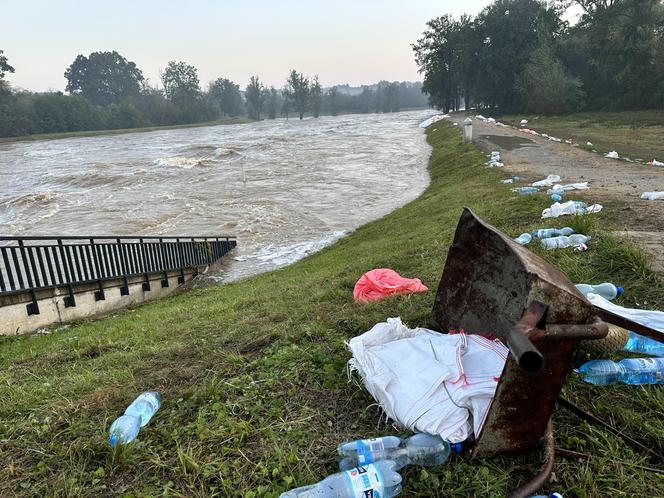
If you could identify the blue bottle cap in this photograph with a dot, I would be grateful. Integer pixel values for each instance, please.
(619, 290)
(456, 447)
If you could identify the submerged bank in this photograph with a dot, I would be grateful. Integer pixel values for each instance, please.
(252, 374)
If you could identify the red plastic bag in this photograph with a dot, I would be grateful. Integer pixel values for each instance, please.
(381, 282)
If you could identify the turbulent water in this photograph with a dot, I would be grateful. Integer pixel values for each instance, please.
(284, 188)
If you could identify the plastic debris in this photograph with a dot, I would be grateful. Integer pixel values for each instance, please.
(523, 122)
(640, 344)
(547, 182)
(125, 428)
(650, 318)
(525, 190)
(562, 241)
(652, 196)
(379, 479)
(612, 155)
(569, 208)
(589, 144)
(423, 382)
(607, 290)
(490, 120)
(545, 233)
(480, 117)
(655, 162)
(634, 371)
(561, 189)
(556, 197)
(523, 239)
(494, 160)
(382, 282)
(419, 449)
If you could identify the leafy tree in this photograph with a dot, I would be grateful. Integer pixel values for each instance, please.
(315, 97)
(181, 83)
(333, 99)
(103, 77)
(298, 91)
(272, 103)
(546, 87)
(255, 94)
(287, 99)
(227, 95)
(4, 65)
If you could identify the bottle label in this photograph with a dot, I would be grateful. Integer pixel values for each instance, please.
(367, 449)
(365, 482)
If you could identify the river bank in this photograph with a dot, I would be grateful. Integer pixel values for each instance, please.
(252, 374)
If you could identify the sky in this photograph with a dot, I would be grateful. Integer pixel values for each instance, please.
(343, 41)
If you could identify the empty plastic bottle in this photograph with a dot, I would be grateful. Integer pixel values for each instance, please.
(627, 371)
(545, 233)
(640, 344)
(556, 197)
(145, 406)
(552, 495)
(561, 242)
(525, 190)
(379, 479)
(419, 449)
(607, 290)
(125, 428)
(523, 239)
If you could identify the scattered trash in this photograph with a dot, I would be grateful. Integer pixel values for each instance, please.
(494, 160)
(523, 239)
(640, 344)
(581, 248)
(649, 318)
(480, 117)
(634, 371)
(382, 282)
(607, 290)
(612, 155)
(490, 120)
(43, 331)
(563, 241)
(570, 207)
(547, 182)
(655, 162)
(525, 190)
(556, 197)
(545, 233)
(427, 381)
(419, 449)
(652, 196)
(552, 495)
(125, 428)
(379, 479)
(514, 179)
(589, 144)
(561, 189)
(523, 122)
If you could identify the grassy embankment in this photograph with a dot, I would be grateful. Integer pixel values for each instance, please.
(96, 133)
(633, 134)
(252, 374)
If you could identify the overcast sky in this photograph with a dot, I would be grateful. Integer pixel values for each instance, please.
(343, 41)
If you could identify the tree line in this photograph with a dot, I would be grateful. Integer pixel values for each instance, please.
(106, 91)
(521, 55)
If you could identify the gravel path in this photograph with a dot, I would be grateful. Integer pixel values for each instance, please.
(533, 158)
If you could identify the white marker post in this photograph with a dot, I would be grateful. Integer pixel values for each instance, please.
(467, 130)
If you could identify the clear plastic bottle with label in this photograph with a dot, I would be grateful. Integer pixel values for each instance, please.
(125, 428)
(633, 371)
(545, 233)
(607, 290)
(640, 344)
(561, 242)
(375, 479)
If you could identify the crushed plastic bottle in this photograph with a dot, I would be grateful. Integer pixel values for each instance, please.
(562, 242)
(525, 190)
(556, 197)
(379, 479)
(125, 428)
(419, 449)
(607, 290)
(640, 344)
(545, 233)
(628, 371)
(523, 239)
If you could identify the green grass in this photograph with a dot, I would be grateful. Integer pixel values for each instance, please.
(95, 133)
(253, 374)
(633, 134)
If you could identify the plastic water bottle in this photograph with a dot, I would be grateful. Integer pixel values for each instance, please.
(607, 290)
(125, 428)
(545, 233)
(552, 495)
(525, 190)
(419, 449)
(523, 239)
(379, 479)
(561, 242)
(628, 371)
(556, 197)
(145, 406)
(640, 344)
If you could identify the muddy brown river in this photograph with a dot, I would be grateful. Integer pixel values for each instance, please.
(284, 188)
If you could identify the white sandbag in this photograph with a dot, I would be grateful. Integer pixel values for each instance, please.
(649, 318)
(427, 381)
(433, 119)
(652, 196)
(523, 122)
(547, 182)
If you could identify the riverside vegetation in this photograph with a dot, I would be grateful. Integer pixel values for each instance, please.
(253, 374)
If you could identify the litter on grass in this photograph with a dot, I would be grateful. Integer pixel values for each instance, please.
(523, 122)
(655, 162)
(382, 282)
(652, 196)
(547, 182)
(649, 318)
(427, 381)
(612, 155)
(570, 208)
(560, 189)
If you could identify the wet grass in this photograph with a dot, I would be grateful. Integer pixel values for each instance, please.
(122, 131)
(253, 374)
(633, 134)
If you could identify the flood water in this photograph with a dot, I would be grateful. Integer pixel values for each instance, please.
(284, 188)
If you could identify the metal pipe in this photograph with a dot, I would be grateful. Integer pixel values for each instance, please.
(540, 479)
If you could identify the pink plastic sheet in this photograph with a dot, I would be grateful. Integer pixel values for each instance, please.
(381, 282)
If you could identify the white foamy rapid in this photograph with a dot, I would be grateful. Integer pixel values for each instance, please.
(285, 188)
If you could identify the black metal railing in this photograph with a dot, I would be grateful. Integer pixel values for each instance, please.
(29, 264)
